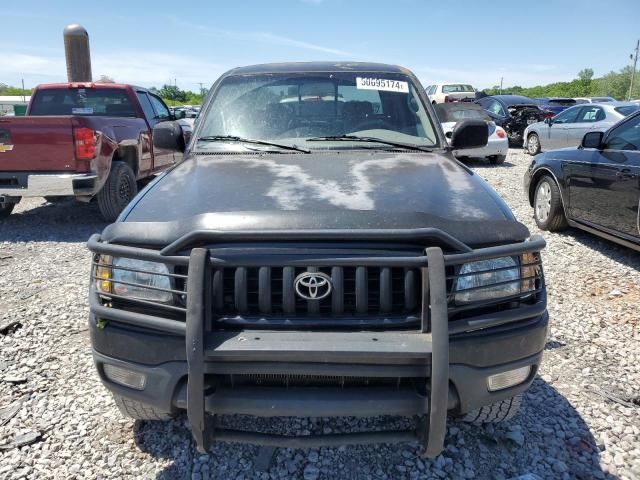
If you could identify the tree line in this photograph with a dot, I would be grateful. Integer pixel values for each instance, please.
(613, 84)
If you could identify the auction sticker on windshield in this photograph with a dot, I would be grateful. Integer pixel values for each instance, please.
(366, 83)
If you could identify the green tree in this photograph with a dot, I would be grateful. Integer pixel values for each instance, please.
(172, 92)
(585, 74)
(13, 91)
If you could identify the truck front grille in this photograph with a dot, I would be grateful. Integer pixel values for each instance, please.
(380, 294)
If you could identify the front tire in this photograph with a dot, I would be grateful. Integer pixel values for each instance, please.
(6, 209)
(533, 144)
(495, 413)
(117, 192)
(140, 411)
(548, 211)
(497, 159)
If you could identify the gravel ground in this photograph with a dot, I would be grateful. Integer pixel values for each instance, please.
(569, 426)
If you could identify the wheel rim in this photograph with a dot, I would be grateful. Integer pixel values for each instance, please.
(543, 201)
(124, 191)
(533, 143)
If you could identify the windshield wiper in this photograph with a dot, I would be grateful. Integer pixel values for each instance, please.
(356, 138)
(234, 138)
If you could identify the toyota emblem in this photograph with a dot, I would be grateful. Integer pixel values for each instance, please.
(313, 285)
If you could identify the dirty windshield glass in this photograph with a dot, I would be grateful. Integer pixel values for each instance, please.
(290, 109)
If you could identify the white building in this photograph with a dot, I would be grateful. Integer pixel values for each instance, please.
(8, 101)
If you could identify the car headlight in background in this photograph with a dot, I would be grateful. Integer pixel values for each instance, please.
(136, 279)
(495, 278)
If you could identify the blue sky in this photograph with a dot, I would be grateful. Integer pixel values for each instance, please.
(151, 43)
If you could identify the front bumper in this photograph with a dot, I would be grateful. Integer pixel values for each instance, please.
(452, 359)
(494, 146)
(47, 184)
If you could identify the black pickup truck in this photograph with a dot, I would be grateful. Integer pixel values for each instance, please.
(318, 252)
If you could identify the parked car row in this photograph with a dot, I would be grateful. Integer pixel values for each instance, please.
(521, 116)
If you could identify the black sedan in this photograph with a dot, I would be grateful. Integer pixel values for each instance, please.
(595, 187)
(513, 113)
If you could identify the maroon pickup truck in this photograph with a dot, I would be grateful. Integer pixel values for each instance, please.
(85, 140)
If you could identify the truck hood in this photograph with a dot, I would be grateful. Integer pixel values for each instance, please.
(323, 190)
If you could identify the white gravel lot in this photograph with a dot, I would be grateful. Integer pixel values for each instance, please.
(567, 428)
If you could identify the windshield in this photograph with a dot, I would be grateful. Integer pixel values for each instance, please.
(112, 102)
(627, 109)
(290, 109)
(454, 112)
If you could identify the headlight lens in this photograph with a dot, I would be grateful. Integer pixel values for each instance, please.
(474, 287)
(138, 279)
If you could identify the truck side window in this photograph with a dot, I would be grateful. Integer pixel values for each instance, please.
(146, 106)
(162, 112)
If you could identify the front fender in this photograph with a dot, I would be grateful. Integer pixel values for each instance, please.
(538, 170)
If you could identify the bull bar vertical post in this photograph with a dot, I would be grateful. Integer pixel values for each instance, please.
(439, 391)
(201, 422)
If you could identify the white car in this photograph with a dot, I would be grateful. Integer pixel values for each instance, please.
(450, 92)
(496, 148)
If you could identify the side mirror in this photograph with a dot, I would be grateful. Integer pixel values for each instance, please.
(179, 114)
(592, 140)
(469, 134)
(548, 121)
(168, 136)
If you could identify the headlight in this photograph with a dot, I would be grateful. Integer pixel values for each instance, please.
(491, 279)
(131, 278)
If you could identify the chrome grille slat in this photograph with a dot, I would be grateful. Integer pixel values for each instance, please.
(337, 296)
(218, 289)
(410, 298)
(264, 289)
(386, 298)
(362, 290)
(240, 290)
(288, 291)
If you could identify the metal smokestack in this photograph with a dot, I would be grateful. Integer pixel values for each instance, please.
(76, 51)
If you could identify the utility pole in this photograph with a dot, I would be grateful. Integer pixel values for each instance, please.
(633, 71)
(501, 78)
(23, 99)
(201, 87)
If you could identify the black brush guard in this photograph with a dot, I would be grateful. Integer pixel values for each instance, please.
(430, 432)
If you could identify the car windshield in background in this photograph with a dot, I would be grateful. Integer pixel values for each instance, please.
(562, 101)
(454, 112)
(112, 102)
(457, 88)
(290, 109)
(627, 109)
